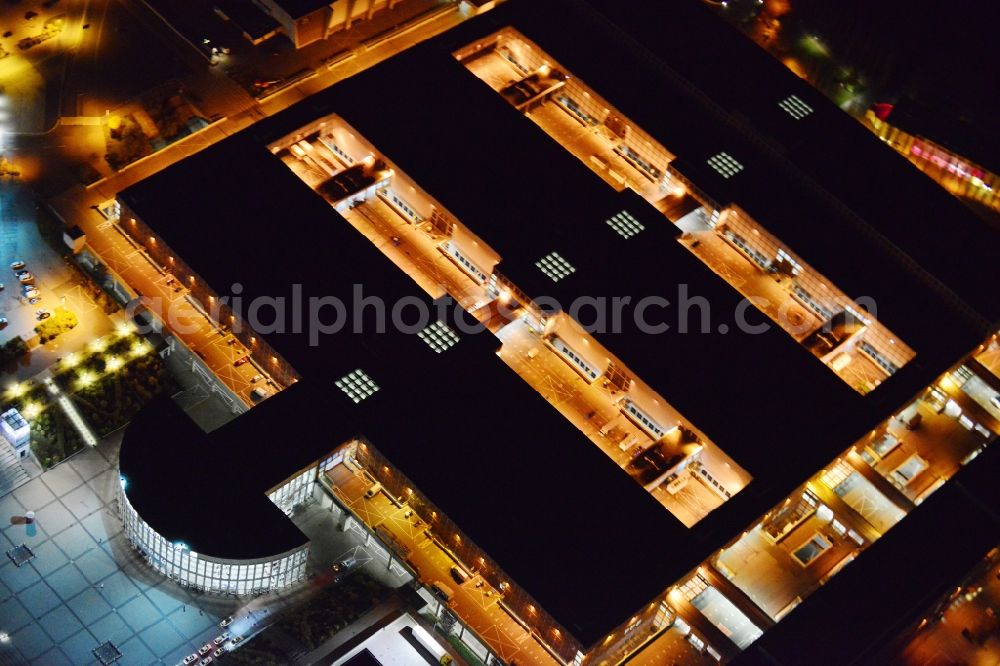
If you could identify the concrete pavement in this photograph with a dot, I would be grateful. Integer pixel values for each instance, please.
(85, 585)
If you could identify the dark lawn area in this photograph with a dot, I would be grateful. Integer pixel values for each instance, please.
(108, 398)
(316, 621)
(108, 394)
(332, 609)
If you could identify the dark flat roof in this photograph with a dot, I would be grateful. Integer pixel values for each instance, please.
(538, 198)
(880, 191)
(231, 468)
(248, 17)
(525, 196)
(494, 190)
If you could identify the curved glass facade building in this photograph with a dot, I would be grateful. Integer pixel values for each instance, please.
(203, 572)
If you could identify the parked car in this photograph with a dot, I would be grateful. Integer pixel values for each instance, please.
(1, 286)
(42, 314)
(253, 380)
(206, 648)
(206, 661)
(226, 621)
(218, 653)
(26, 277)
(222, 638)
(241, 361)
(20, 273)
(995, 400)
(16, 265)
(190, 659)
(237, 641)
(3, 322)
(34, 300)
(30, 292)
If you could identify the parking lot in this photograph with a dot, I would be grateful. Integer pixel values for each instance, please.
(20, 240)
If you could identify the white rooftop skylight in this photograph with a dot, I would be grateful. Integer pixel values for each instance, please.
(554, 266)
(795, 107)
(438, 336)
(357, 385)
(725, 165)
(625, 225)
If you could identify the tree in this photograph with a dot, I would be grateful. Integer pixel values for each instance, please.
(12, 350)
(61, 321)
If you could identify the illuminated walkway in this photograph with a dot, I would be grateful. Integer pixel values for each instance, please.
(475, 601)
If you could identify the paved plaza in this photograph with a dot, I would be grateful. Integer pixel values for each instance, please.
(84, 585)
